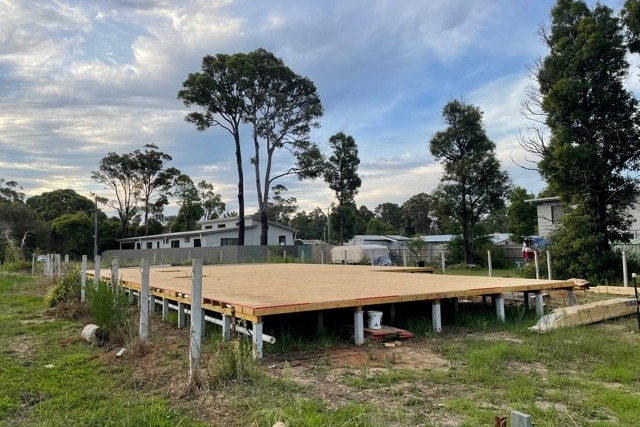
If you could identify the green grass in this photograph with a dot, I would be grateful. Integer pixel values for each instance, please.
(51, 377)
(581, 376)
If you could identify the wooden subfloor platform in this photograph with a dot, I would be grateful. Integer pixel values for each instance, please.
(256, 290)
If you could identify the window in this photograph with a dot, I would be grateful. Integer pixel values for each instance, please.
(282, 240)
(138, 245)
(149, 245)
(187, 239)
(175, 243)
(222, 225)
(165, 240)
(208, 227)
(197, 243)
(158, 244)
(556, 214)
(228, 241)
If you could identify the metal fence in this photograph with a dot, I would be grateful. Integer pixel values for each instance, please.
(222, 255)
(629, 249)
(503, 256)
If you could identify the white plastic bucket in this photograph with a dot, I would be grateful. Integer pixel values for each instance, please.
(374, 319)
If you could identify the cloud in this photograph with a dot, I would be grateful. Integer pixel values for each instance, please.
(79, 80)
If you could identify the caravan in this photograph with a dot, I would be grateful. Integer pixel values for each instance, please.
(360, 254)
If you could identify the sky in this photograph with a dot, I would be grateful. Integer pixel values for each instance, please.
(80, 79)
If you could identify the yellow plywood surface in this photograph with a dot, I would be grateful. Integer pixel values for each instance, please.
(263, 289)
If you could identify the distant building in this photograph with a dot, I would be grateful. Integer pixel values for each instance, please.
(212, 233)
(550, 210)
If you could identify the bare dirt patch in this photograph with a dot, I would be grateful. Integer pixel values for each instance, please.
(23, 347)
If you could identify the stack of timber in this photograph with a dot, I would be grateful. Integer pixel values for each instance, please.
(614, 290)
(585, 314)
(384, 333)
(580, 284)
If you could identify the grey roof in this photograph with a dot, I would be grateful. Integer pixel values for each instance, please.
(438, 238)
(446, 238)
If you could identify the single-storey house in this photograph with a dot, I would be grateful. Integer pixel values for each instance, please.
(212, 233)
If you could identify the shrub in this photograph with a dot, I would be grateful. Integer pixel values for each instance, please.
(19, 266)
(63, 288)
(108, 306)
(528, 270)
(575, 252)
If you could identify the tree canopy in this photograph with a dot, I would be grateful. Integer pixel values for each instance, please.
(472, 185)
(212, 205)
(593, 119)
(10, 191)
(154, 179)
(341, 173)
(219, 91)
(417, 215)
(53, 204)
(522, 217)
(118, 172)
(189, 201)
(281, 108)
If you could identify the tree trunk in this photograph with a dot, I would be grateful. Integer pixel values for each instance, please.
(466, 244)
(264, 233)
(146, 218)
(341, 224)
(240, 190)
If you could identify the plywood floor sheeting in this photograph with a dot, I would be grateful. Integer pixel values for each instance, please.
(256, 290)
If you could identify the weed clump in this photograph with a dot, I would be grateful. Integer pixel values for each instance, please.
(108, 306)
(64, 288)
(233, 361)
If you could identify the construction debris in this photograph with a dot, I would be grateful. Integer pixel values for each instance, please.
(385, 333)
(585, 314)
(579, 284)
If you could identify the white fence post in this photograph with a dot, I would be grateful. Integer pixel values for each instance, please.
(196, 324)
(144, 301)
(625, 279)
(114, 271)
(83, 279)
(96, 271)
